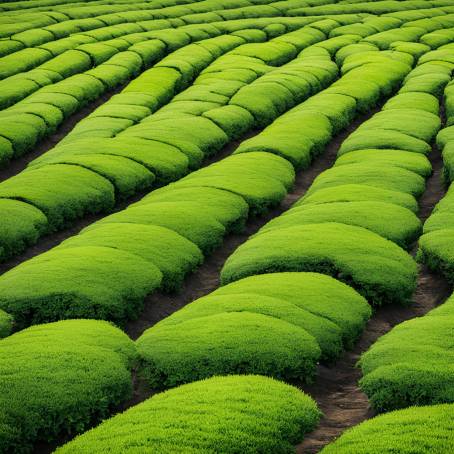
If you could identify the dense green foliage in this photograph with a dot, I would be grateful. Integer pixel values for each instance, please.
(205, 114)
(417, 430)
(229, 414)
(59, 378)
(275, 324)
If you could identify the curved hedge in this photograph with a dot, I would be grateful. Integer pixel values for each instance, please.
(377, 268)
(417, 430)
(395, 223)
(278, 325)
(411, 365)
(58, 379)
(228, 414)
(359, 193)
(226, 343)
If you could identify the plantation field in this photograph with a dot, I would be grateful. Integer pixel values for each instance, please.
(226, 227)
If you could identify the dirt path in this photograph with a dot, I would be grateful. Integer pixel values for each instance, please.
(336, 388)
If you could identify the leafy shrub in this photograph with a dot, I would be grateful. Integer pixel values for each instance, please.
(204, 230)
(6, 324)
(411, 365)
(240, 174)
(62, 192)
(226, 343)
(231, 414)
(65, 102)
(384, 39)
(317, 294)
(165, 161)
(415, 430)
(127, 176)
(414, 162)
(377, 268)
(435, 246)
(51, 115)
(430, 83)
(229, 209)
(360, 192)
(296, 137)
(59, 378)
(233, 120)
(413, 100)
(395, 223)
(80, 86)
(314, 310)
(383, 138)
(199, 131)
(22, 60)
(424, 127)
(174, 255)
(68, 63)
(21, 226)
(47, 287)
(271, 53)
(378, 176)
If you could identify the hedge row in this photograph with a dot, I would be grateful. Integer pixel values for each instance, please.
(411, 10)
(152, 244)
(334, 229)
(435, 245)
(161, 148)
(59, 378)
(242, 413)
(58, 88)
(70, 82)
(180, 68)
(64, 20)
(326, 114)
(411, 365)
(397, 372)
(254, 181)
(417, 430)
(65, 34)
(234, 329)
(278, 325)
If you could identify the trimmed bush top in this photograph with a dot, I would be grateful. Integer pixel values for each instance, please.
(234, 414)
(416, 430)
(59, 378)
(381, 271)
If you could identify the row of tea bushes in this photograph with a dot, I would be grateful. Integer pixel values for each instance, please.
(335, 229)
(279, 325)
(237, 185)
(61, 378)
(410, 366)
(416, 430)
(397, 371)
(152, 152)
(42, 98)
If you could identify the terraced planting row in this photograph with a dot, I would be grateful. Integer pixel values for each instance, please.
(223, 112)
